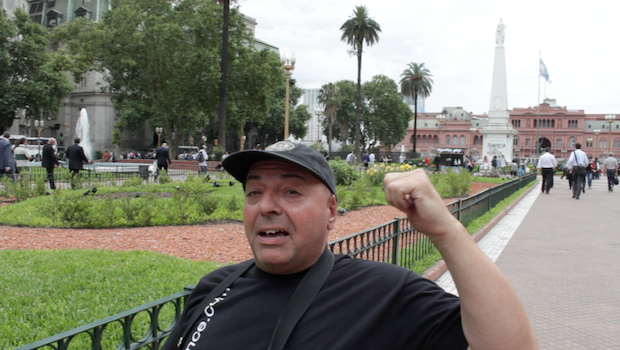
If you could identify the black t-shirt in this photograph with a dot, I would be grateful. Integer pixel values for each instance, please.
(362, 305)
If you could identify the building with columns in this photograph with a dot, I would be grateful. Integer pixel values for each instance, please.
(560, 128)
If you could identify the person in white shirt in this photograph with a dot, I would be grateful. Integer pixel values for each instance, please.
(578, 161)
(547, 165)
(502, 164)
(203, 165)
(610, 164)
(401, 159)
(371, 159)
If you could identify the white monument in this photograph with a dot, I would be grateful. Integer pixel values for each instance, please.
(498, 133)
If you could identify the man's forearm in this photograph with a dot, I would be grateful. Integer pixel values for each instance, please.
(492, 314)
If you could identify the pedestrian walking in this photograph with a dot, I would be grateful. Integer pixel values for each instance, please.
(610, 164)
(578, 161)
(547, 165)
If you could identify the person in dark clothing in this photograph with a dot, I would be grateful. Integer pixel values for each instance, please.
(50, 160)
(7, 161)
(77, 158)
(436, 162)
(290, 208)
(163, 158)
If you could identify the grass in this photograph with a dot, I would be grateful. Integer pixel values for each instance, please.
(47, 292)
(433, 257)
(489, 180)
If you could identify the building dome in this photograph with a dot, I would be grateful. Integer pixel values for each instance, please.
(458, 114)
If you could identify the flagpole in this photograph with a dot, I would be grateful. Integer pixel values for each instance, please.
(538, 120)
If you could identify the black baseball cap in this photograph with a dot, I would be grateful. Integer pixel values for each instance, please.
(239, 163)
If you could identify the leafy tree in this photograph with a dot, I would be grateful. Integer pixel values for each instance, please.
(161, 63)
(32, 78)
(272, 129)
(345, 113)
(416, 81)
(358, 29)
(385, 115)
(328, 98)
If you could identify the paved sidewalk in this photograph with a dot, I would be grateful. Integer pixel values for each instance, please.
(563, 257)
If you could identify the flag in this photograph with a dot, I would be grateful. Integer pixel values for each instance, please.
(543, 71)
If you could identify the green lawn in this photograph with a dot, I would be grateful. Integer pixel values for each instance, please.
(47, 292)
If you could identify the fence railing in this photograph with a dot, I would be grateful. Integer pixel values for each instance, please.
(395, 242)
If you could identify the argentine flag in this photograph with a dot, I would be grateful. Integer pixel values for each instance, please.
(543, 71)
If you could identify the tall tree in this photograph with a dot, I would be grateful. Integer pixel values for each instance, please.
(416, 81)
(358, 29)
(328, 97)
(221, 109)
(385, 115)
(32, 78)
(161, 64)
(345, 113)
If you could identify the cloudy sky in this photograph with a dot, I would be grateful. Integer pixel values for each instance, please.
(455, 39)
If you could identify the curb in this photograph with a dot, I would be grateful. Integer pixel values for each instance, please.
(435, 271)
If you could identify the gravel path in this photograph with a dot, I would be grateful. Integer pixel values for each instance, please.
(220, 242)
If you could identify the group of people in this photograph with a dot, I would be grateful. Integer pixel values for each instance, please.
(15, 161)
(578, 169)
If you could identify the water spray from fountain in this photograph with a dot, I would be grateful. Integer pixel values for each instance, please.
(82, 130)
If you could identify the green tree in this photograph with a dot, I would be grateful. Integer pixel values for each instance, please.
(358, 29)
(416, 81)
(386, 115)
(32, 78)
(345, 113)
(161, 64)
(272, 128)
(328, 98)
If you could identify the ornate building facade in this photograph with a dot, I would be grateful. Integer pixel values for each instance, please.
(560, 129)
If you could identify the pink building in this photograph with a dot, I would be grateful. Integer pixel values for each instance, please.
(560, 128)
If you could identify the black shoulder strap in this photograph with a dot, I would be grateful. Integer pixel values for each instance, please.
(301, 299)
(216, 292)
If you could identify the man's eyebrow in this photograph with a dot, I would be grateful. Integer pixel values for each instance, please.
(284, 175)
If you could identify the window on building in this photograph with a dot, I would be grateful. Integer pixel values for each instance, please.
(589, 126)
(462, 139)
(54, 18)
(436, 138)
(516, 123)
(82, 12)
(589, 142)
(559, 143)
(527, 142)
(51, 4)
(448, 139)
(571, 142)
(573, 124)
(602, 144)
(515, 141)
(36, 11)
(616, 143)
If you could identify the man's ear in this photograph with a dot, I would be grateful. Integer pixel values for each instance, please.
(332, 206)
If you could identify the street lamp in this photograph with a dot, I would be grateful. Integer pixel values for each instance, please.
(440, 119)
(589, 142)
(204, 140)
(288, 64)
(159, 131)
(596, 132)
(473, 131)
(38, 124)
(609, 119)
(241, 142)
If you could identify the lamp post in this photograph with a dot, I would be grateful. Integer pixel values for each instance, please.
(609, 119)
(38, 124)
(596, 132)
(440, 119)
(589, 142)
(288, 64)
(473, 131)
(159, 131)
(241, 142)
(204, 140)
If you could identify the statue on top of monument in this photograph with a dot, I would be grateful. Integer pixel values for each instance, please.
(499, 37)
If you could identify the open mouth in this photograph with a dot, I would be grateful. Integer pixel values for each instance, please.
(273, 234)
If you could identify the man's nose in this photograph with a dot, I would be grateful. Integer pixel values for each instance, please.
(269, 204)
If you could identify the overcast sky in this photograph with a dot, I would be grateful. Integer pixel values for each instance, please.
(455, 39)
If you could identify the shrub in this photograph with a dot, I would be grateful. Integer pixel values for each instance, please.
(218, 152)
(98, 154)
(134, 181)
(344, 173)
(452, 184)
(163, 177)
(376, 174)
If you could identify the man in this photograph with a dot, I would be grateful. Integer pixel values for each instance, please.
(436, 162)
(351, 159)
(547, 165)
(202, 158)
(494, 172)
(22, 157)
(50, 160)
(502, 164)
(577, 162)
(7, 162)
(290, 207)
(610, 165)
(401, 159)
(76, 157)
(371, 159)
(366, 159)
(163, 158)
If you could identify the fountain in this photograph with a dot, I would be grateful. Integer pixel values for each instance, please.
(82, 130)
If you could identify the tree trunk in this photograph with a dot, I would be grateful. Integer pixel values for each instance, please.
(358, 102)
(221, 110)
(344, 134)
(415, 121)
(330, 122)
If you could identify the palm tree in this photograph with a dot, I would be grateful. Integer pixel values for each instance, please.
(358, 29)
(328, 98)
(416, 81)
(221, 109)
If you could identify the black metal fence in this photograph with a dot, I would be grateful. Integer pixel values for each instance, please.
(395, 242)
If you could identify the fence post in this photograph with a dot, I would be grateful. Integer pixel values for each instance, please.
(396, 230)
(458, 212)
